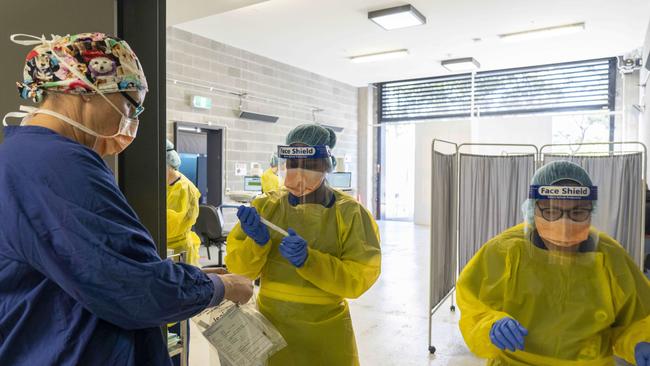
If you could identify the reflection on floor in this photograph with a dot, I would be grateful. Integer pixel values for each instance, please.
(390, 320)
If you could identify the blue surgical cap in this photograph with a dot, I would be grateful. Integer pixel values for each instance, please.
(173, 160)
(274, 160)
(557, 171)
(313, 135)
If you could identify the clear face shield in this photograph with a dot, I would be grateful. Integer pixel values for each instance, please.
(282, 168)
(562, 217)
(306, 167)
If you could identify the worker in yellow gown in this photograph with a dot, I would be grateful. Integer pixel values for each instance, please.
(182, 209)
(332, 253)
(554, 290)
(270, 178)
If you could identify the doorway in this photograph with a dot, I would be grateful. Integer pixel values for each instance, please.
(201, 148)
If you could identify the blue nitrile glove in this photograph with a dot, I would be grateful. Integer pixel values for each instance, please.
(507, 333)
(642, 354)
(250, 223)
(294, 249)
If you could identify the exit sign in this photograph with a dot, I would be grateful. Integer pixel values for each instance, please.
(201, 102)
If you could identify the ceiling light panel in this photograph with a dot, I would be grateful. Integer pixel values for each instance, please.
(461, 64)
(543, 32)
(398, 17)
(380, 56)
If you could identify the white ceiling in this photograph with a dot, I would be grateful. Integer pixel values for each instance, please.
(320, 35)
(178, 11)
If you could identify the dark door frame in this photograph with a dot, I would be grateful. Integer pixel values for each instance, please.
(216, 157)
(142, 167)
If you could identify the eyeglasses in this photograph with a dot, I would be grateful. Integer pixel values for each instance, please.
(139, 108)
(578, 214)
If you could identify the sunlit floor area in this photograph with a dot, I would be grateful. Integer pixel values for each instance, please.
(390, 320)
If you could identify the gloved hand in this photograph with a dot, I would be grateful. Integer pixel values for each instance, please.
(507, 333)
(294, 249)
(642, 354)
(250, 223)
(238, 289)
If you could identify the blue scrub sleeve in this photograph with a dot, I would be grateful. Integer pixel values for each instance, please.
(97, 251)
(219, 290)
(128, 292)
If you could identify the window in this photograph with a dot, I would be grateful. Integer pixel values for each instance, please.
(576, 86)
(398, 187)
(442, 97)
(578, 129)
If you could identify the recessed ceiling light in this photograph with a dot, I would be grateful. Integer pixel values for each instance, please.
(397, 17)
(461, 64)
(380, 56)
(543, 32)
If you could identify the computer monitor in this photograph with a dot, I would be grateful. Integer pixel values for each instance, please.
(341, 180)
(252, 184)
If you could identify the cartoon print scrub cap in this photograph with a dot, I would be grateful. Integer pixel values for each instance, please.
(85, 63)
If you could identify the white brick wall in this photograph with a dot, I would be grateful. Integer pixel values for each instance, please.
(196, 59)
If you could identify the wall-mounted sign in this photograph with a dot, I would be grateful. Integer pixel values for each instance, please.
(201, 102)
(241, 169)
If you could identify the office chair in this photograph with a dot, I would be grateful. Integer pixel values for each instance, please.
(209, 226)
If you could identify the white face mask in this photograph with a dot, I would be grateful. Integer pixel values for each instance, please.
(104, 145)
